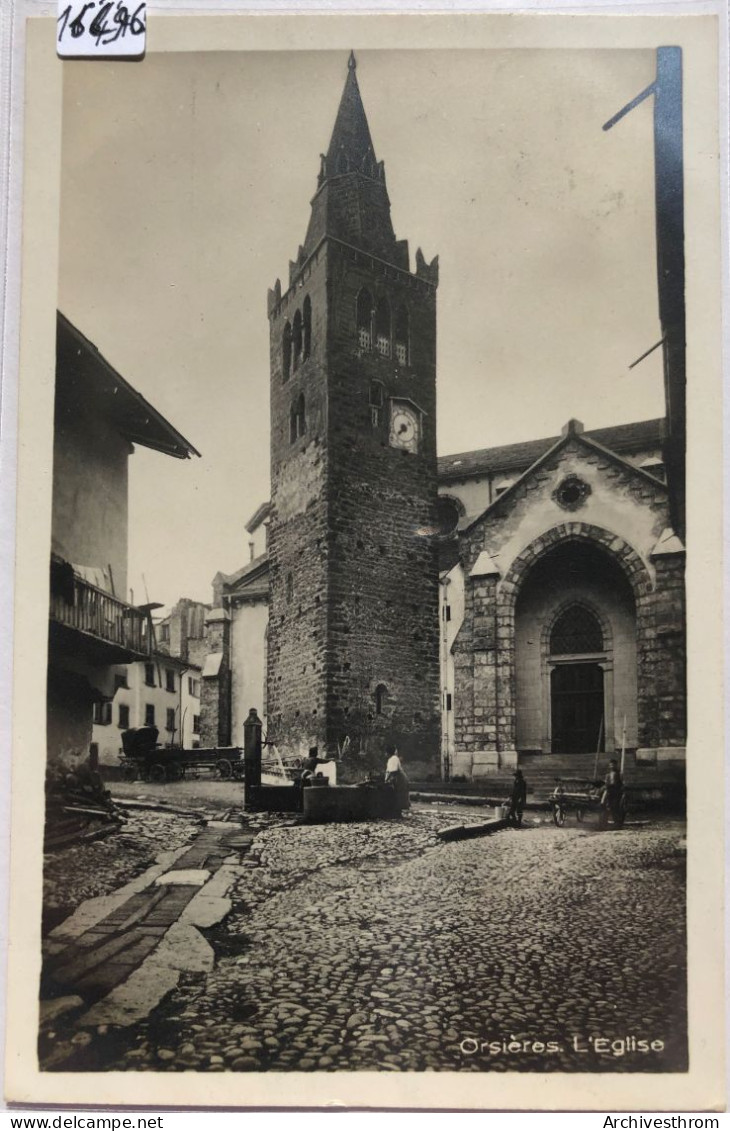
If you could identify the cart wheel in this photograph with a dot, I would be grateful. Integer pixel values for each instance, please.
(157, 772)
(579, 815)
(559, 816)
(130, 771)
(297, 764)
(175, 772)
(225, 768)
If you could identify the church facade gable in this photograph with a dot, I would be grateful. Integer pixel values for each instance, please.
(573, 542)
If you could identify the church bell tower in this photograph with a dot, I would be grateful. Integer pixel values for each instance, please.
(353, 660)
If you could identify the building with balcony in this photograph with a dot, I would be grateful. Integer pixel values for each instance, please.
(93, 629)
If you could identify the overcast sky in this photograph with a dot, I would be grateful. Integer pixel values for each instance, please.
(186, 182)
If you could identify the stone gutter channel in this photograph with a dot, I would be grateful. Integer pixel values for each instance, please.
(114, 960)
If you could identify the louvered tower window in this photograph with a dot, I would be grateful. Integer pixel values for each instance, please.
(364, 319)
(382, 328)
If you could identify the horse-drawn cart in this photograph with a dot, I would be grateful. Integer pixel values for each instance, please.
(579, 797)
(144, 760)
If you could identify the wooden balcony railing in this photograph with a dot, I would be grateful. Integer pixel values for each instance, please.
(99, 615)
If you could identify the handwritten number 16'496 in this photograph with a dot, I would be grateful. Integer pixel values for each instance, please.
(107, 25)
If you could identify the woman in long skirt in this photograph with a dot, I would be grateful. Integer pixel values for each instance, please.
(395, 776)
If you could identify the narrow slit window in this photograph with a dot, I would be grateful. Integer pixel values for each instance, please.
(286, 352)
(297, 419)
(306, 328)
(296, 340)
(377, 401)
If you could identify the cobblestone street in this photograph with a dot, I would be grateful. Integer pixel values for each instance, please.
(377, 946)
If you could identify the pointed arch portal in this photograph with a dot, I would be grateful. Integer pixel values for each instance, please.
(575, 652)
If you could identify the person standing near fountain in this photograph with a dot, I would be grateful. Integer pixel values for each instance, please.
(395, 776)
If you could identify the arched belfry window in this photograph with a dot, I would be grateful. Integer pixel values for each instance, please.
(364, 319)
(402, 333)
(296, 340)
(576, 632)
(297, 419)
(286, 352)
(381, 697)
(382, 328)
(343, 165)
(307, 328)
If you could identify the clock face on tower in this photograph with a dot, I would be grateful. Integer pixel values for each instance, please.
(405, 426)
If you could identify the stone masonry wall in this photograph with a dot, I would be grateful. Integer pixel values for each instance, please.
(298, 529)
(354, 575)
(662, 659)
(383, 627)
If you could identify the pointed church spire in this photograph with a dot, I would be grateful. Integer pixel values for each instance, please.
(351, 146)
(351, 202)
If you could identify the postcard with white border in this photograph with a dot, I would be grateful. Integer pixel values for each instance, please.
(367, 708)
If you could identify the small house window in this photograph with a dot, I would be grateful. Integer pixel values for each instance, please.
(123, 716)
(149, 675)
(165, 633)
(149, 714)
(286, 352)
(169, 679)
(296, 341)
(381, 696)
(401, 336)
(170, 721)
(307, 329)
(364, 319)
(193, 687)
(102, 713)
(196, 724)
(120, 680)
(448, 701)
(382, 328)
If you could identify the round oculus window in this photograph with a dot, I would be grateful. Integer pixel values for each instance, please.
(571, 493)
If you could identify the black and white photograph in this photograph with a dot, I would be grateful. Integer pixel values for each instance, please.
(364, 734)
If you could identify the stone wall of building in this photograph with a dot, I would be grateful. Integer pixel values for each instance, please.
(249, 621)
(662, 663)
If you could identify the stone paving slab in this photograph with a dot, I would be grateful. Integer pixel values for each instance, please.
(90, 964)
(187, 877)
